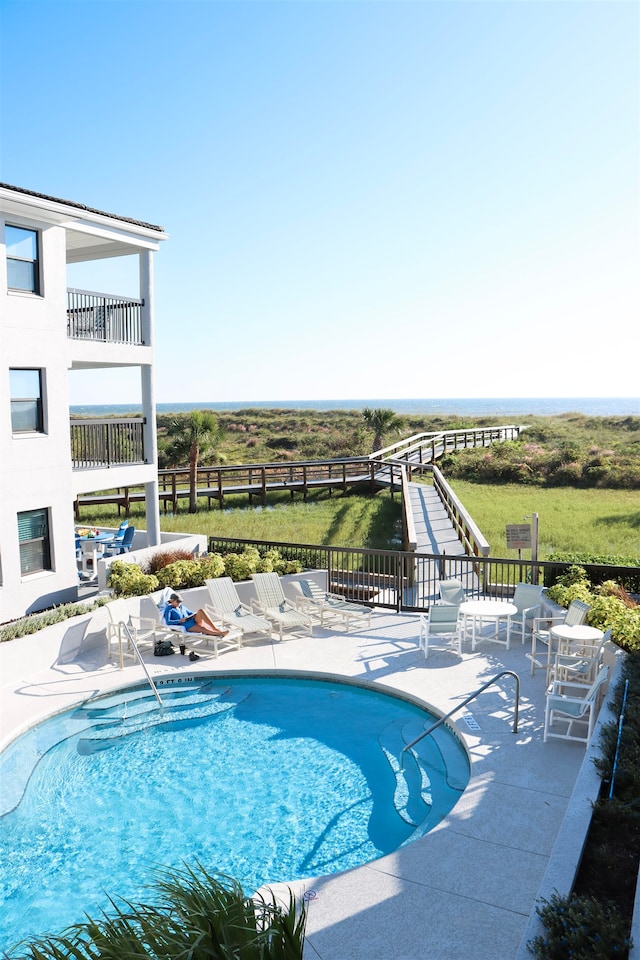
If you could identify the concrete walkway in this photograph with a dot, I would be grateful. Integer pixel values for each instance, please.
(463, 892)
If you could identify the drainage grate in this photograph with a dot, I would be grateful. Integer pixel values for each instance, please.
(471, 721)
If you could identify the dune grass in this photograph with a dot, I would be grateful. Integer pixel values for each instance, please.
(597, 521)
(576, 520)
(353, 520)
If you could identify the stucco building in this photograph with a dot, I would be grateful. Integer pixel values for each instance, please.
(46, 332)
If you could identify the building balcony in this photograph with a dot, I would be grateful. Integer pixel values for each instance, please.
(98, 443)
(100, 316)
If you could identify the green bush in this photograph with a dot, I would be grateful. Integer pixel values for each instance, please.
(128, 580)
(212, 566)
(181, 574)
(580, 928)
(240, 566)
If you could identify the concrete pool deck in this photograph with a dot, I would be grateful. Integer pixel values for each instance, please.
(466, 890)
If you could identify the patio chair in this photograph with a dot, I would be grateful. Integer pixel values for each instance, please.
(149, 610)
(273, 605)
(452, 591)
(574, 706)
(121, 543)
(580, 667)
(313, 599)
(527, 598)
(440, 621)
(227, 607)
(541, 632)
(144, 630)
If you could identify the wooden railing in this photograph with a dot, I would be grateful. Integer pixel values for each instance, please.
(107, 443)
(99, 316)
(425, 448)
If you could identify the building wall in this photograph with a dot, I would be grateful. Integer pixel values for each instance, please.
(36, 469)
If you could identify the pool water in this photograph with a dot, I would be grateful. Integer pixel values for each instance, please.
(265, 779)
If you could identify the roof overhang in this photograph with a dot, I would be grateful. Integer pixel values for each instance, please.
(91, 234)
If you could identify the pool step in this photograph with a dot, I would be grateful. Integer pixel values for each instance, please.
(142, 713)
(412, 794)
(108, 736)
(128, 701)
(425, 763)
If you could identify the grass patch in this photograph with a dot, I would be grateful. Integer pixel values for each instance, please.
(597, 521)
(353, 520)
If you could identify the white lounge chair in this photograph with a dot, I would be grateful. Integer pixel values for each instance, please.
(124, 626)
(273, 605)
(149, 610)
(575, 707)
(227, 607)
(439, 622)
(313, 599)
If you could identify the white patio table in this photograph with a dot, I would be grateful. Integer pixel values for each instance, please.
(479, 611)
(570, 639)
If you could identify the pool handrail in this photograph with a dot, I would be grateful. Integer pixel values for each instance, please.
(471, 696)
(133, 643)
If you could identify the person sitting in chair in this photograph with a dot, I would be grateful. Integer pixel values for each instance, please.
(177, 615)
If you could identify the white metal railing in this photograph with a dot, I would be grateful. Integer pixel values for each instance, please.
(472, 696)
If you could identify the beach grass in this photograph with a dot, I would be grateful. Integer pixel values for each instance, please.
(575, 520)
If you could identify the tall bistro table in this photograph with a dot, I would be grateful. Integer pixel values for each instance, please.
(480, 611)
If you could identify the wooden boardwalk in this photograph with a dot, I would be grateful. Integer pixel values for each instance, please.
(434, 530)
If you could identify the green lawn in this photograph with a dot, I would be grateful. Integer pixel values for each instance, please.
(597, 521)
(351, 520)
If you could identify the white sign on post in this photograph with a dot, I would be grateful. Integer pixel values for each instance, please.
(518, 536)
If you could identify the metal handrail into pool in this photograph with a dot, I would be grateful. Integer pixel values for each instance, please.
(471, 696)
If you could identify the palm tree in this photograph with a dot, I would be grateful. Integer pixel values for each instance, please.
(194, 436)
(198, 915)
(381, 420)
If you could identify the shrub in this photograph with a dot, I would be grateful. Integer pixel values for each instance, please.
(581, 928)
(128, 580)
(163, 558)
(182, 574)
(240, 566)
(212, 566)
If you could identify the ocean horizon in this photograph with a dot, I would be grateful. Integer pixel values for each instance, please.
(473, 407)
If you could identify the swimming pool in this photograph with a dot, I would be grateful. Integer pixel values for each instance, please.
(264, 778)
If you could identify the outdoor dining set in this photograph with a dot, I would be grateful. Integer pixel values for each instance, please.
(93, 544)
(569, 651)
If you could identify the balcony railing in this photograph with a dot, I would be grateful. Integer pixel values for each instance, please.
(98, 316)
(107, 443)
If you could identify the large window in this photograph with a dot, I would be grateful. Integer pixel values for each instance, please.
(26, 401)
(23, 268)
(33, 534)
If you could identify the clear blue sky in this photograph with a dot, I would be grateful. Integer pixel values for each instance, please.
(364, 199)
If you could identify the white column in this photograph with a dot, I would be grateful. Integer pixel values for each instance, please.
(151, 489)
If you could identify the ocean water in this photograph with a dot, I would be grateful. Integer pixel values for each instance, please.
(479, 407)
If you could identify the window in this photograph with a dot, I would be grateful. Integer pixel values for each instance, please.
(26, 401)
(23, 269)
(33, 534)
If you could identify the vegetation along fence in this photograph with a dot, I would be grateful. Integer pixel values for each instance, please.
(403, 580)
